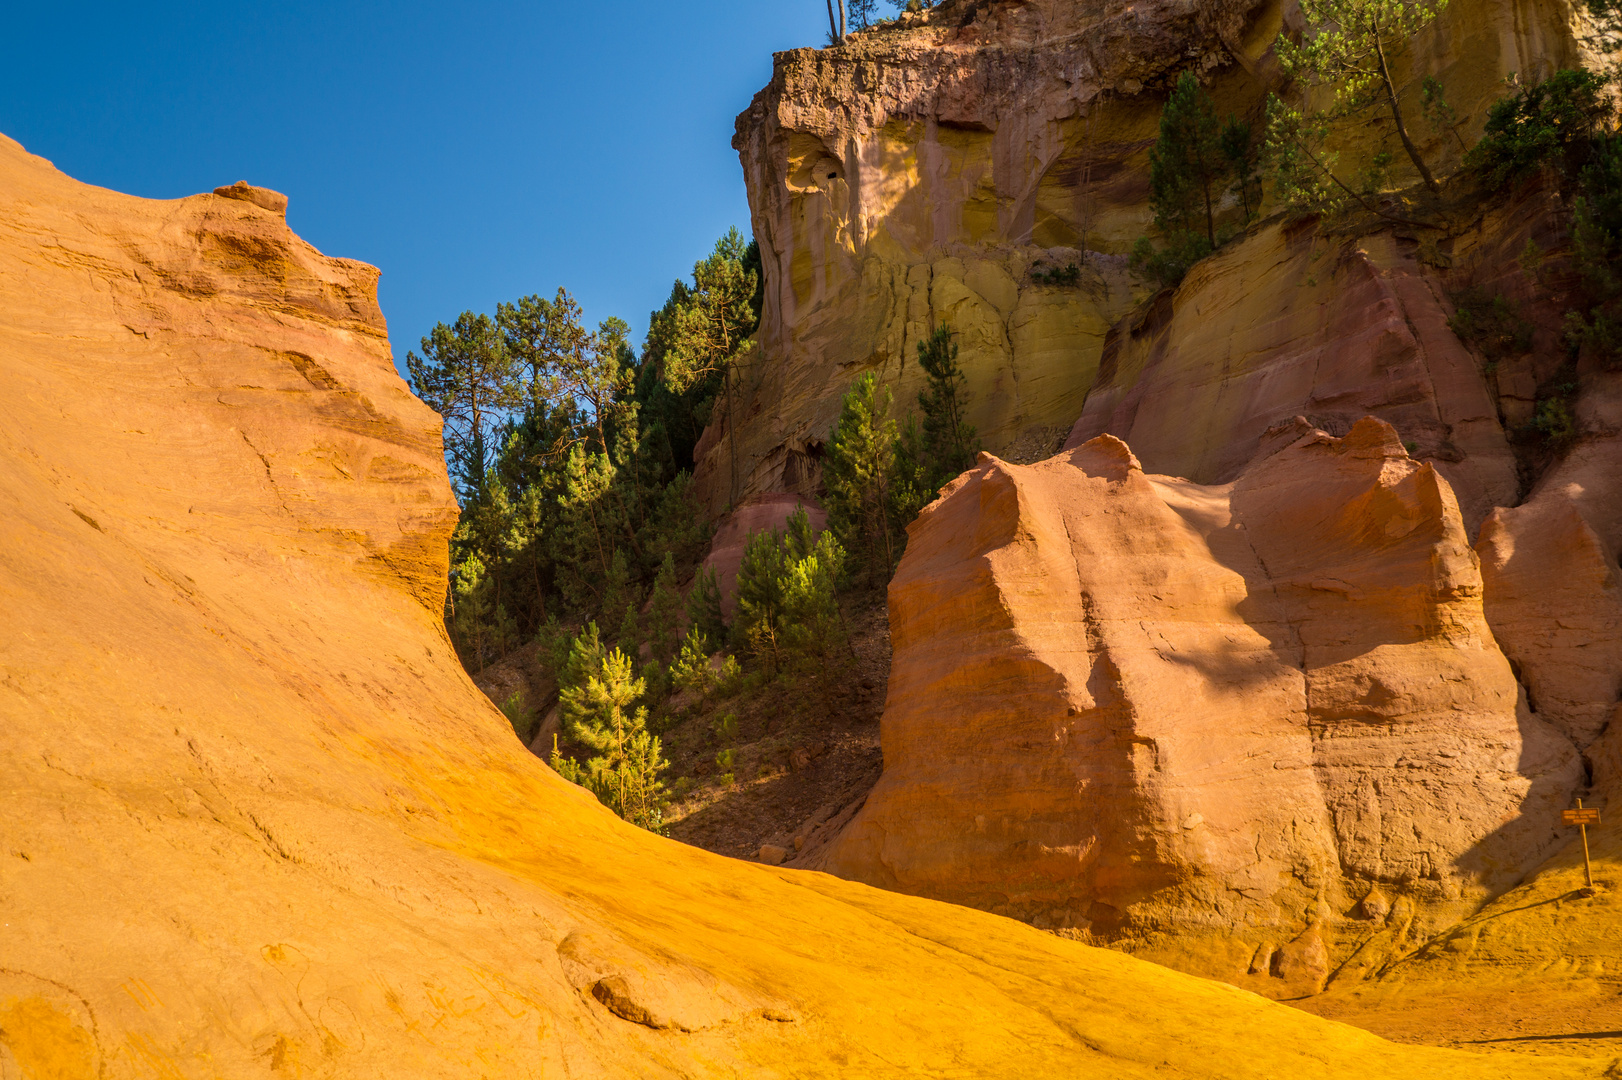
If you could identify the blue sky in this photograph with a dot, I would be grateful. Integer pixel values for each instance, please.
(476, 152)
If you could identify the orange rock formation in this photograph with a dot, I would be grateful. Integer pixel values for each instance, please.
(256, 821)
(1260, 730)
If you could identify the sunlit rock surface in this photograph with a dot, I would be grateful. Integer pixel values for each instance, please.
(1260, 730)
(256, 821)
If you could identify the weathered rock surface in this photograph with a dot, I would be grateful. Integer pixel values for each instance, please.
(256, 821)
(1550, 564)
(939, 172)
(1299, 321)
(1283, 325)
(1232, 728)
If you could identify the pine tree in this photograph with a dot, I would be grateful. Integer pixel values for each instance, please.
(585, 662)
(625, 770)
(759, 595)
(465, 374)
(704, 605)
(691, 669)
(664, 611)
(1188, 173)
(619, 592)
(710, 332)
(810, 622)
(1238, 152)
(643, 797)
(628, 638)
(472, 609)
(951, 442)
(1349, 45)
(859, 471)
(913, 483)
(1187, 167)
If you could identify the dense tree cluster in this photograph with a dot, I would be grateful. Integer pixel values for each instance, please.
(572, 456)
(879, 473)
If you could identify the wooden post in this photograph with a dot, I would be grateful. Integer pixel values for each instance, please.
(1583, 818)
(1588, 867)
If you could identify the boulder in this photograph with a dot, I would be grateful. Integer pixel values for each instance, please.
(1199, 721)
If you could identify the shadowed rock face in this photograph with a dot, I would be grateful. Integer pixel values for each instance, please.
(1231, 727)
(256, 821)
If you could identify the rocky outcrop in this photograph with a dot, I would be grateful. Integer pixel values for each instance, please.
(1232, 728)
(1306, 320)
(984, 167)
(256, 821)
(1290, 323)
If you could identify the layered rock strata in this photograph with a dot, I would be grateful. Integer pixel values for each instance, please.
(256, 821)
(985, 167)
(1228, 727)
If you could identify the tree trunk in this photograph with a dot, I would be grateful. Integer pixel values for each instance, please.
(1396, 114)
(1210, 217)
(833, 25)
(841, 20)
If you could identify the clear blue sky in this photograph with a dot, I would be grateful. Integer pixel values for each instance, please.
(476, 152)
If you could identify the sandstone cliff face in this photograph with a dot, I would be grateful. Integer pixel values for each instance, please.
(256, 821)
(1234, 728)
(938, 172)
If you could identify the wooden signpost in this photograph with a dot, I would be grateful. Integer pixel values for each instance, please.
(1583, 818)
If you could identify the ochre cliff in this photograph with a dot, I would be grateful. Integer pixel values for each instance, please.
(256, 821)
(939, 170)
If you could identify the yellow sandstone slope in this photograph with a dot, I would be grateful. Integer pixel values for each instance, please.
(255, 821)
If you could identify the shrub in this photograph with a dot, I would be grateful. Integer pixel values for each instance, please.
(1553, 122)
(691, 670)
(1491, 324)
(625, 771)
(1068, 274)
(522, 720)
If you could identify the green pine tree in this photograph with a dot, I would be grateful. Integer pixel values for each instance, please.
(1187, 167)
(1239, 152)
(625, 770)
(950, 441)
(691, 669)
(759, 594)
(664, 611)
(619, 591)
(584, 663)
(1188, 173)
(704, 605)
(859, 469)
(710, 331)
(810, 621)
(465, 374)
(1348, 46)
